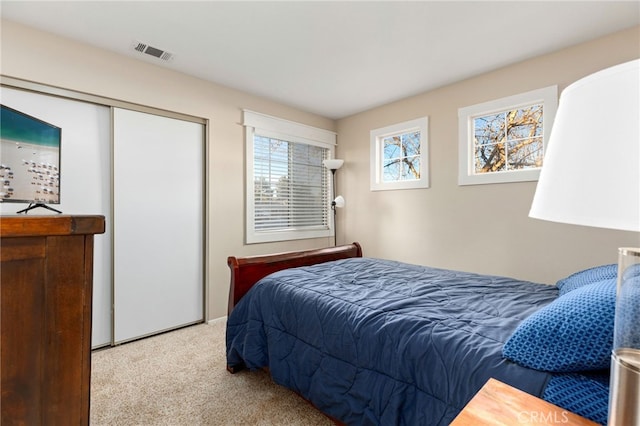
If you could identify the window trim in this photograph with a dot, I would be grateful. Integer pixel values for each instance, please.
(277, 128)
(377, 136)
(547, 96)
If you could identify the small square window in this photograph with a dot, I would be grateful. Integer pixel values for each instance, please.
(399, 156)
(504, 140)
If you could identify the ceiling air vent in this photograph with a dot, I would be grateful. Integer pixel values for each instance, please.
(152, 51)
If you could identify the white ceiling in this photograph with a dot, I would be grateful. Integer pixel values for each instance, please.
(333, 58)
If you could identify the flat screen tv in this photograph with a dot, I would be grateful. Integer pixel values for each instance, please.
(29, 160)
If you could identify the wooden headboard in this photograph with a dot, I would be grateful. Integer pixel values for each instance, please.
(246, 271)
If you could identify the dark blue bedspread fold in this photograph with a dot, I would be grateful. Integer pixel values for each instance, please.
(372, 341)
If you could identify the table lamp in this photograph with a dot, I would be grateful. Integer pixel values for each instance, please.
(591, 177)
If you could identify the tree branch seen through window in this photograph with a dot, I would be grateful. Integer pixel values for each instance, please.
(509, 140)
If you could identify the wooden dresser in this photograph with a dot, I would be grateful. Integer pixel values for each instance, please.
(45, 296)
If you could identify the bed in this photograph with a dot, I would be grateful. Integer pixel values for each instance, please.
(374, 341)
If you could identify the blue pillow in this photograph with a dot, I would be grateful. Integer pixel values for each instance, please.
(582, 393)
(572, 333)
(587, 276)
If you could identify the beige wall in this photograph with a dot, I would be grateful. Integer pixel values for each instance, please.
(40, 57)
(438, 226)
(482, 228)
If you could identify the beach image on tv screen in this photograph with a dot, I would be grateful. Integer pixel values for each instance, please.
(29, 158)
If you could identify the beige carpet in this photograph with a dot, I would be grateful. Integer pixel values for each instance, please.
(179, 378)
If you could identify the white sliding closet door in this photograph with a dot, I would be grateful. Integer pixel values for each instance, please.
(85, 181)
(158, 187)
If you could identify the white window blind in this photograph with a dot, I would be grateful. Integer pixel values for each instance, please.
(290, 185)
(288, 188)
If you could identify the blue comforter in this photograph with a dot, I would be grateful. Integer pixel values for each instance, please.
(372, 341)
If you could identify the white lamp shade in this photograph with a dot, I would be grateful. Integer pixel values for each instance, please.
(333, 164)
(339, 201)
(591, 170)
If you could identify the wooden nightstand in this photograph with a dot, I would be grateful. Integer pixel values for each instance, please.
(500, 404)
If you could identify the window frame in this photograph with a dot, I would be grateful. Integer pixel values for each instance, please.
(377, 137)
(547, 96)
(289, 131)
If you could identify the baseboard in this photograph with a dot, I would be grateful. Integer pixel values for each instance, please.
(217, 320)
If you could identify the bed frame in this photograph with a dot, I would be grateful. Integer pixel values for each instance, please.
(246, 271)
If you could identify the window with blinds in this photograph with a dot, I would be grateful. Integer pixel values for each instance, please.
(288, 187)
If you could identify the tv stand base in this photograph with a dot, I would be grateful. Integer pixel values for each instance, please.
(36, 205)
